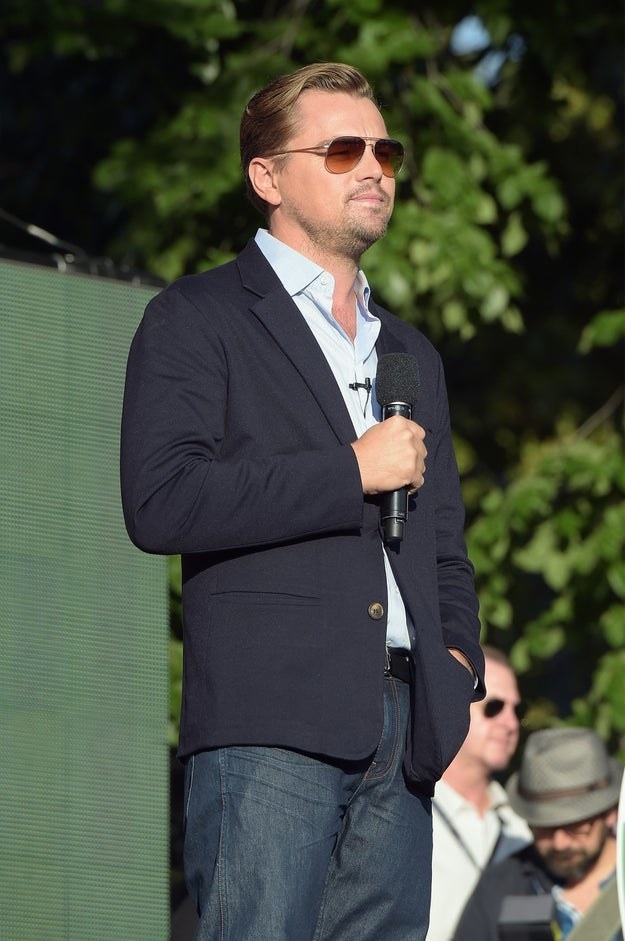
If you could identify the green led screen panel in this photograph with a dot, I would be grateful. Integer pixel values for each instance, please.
(84, 827)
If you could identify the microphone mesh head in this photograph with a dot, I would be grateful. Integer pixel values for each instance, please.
(397, 379)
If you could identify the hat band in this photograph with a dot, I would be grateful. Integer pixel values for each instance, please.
(558, 795)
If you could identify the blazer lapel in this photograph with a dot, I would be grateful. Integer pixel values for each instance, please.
(276, 310)
(281, 317)
(388, 341)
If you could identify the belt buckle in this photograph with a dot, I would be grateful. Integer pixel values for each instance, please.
(387, 661)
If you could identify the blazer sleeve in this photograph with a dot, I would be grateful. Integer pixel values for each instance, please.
(194, 478)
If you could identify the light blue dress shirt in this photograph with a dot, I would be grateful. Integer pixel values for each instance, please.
(312, 288)
(568, 916)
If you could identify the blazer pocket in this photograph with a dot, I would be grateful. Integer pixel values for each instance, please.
(439, 720)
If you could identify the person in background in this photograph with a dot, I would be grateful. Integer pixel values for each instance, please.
(567, 789)
(473, 823)
(328, 673)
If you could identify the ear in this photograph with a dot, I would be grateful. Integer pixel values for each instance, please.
(264, 180)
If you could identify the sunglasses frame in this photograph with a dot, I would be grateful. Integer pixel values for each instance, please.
(385, 160)
(498, 705)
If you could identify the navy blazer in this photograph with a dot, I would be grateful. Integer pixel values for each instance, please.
(236, 453)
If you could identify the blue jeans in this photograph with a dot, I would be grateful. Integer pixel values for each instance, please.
(283, 846)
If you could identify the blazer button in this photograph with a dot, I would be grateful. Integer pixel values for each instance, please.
(376, 610)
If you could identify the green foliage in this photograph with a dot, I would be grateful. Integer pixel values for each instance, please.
(556, 534)
(606, 329)
(175, 649)
(175, 688)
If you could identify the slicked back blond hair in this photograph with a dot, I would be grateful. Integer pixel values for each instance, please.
(270, 119)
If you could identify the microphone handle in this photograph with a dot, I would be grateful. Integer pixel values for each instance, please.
(394, 508)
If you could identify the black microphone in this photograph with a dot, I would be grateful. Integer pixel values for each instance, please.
(361, 385)
(396, 388)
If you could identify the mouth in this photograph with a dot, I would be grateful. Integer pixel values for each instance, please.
(370, 196)
(507, 742)
(565, 857)
(372, 203)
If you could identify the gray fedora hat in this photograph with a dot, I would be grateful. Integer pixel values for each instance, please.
(565, 776)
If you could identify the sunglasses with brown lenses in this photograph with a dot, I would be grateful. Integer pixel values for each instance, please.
(343, 154)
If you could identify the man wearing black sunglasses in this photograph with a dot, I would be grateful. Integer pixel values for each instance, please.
(328, 675)
(473, 823)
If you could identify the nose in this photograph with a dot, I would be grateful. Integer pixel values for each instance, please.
(507, 718)
(510, 716)
(560, 839)
(369, 164)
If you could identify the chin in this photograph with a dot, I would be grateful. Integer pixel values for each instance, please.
(500, 761)
(365, 238)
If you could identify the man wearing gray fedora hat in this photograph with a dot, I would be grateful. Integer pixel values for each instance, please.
(567, 789)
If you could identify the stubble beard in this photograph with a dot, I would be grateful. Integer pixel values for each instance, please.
(571, 867)
(352, 237)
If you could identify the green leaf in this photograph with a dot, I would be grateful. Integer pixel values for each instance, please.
(514, 236)
(605, 329)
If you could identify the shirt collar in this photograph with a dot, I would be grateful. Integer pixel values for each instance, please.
(497, 796)
(296, 272)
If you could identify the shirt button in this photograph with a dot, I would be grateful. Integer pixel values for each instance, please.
(376, 610)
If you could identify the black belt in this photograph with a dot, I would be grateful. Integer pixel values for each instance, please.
(397, 664)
